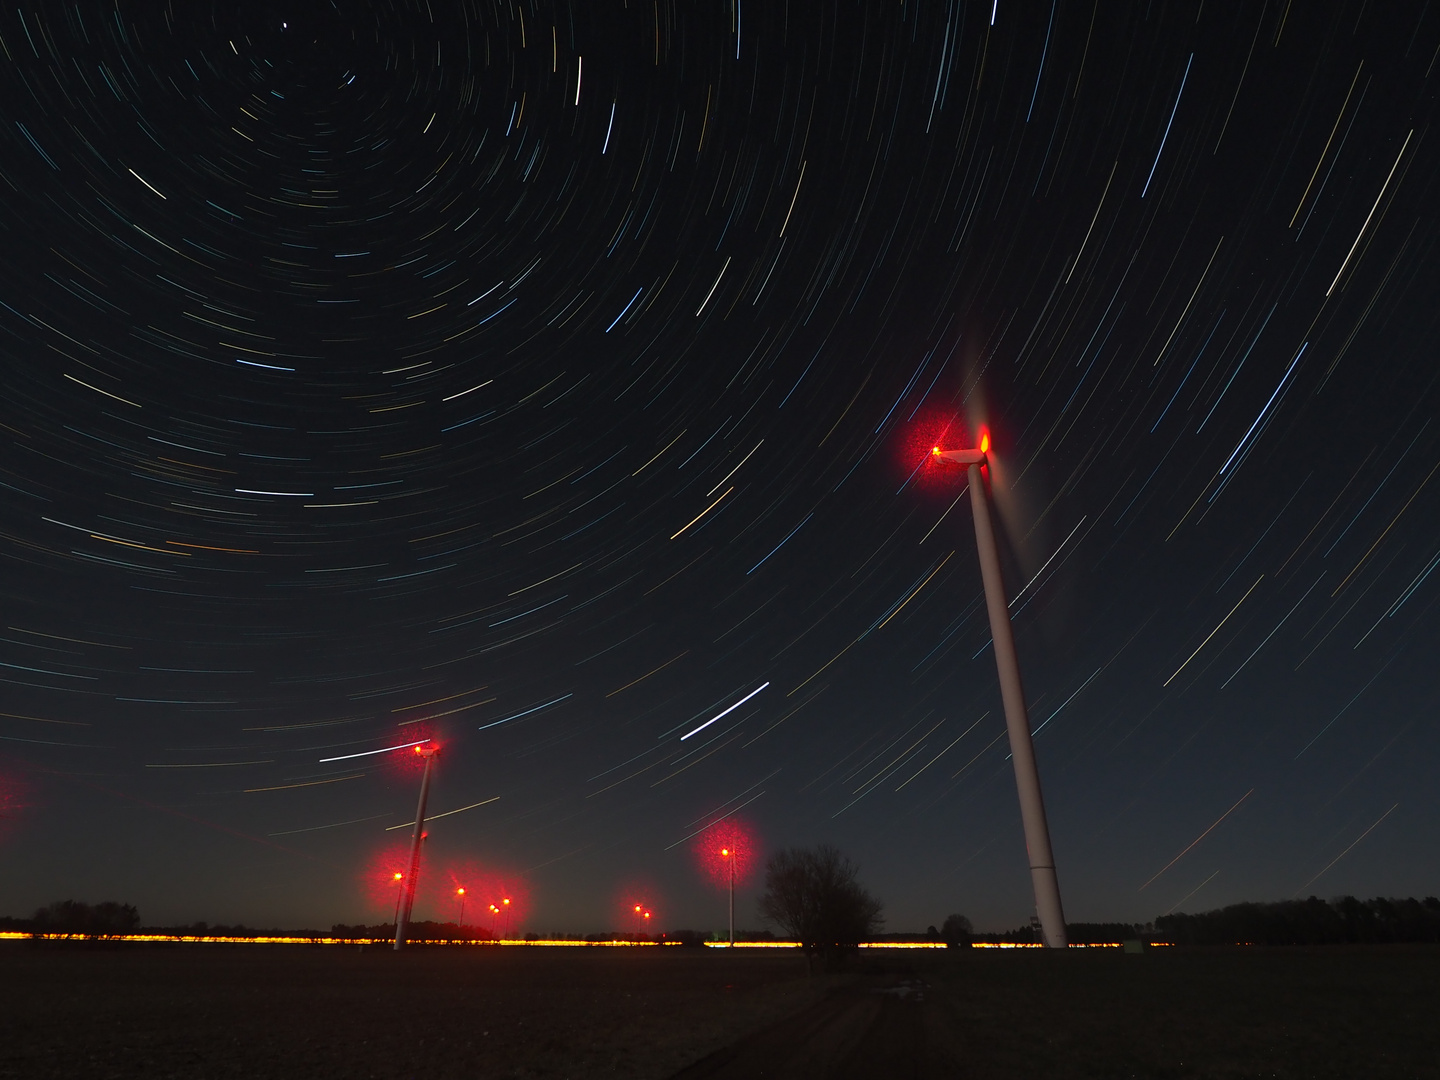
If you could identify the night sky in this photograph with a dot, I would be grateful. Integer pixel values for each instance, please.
(547, 379)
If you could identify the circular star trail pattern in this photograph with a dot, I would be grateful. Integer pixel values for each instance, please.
(549, 380)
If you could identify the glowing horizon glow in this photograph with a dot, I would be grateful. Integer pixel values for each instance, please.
(295, 939)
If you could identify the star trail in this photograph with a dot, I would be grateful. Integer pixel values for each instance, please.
(543, 378)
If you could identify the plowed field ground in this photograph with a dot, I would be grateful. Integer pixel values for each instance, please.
(320, 1012)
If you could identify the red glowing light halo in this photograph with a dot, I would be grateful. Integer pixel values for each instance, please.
(738, 840)
(916, 443)
(435, 898)
(636, 909)
(378, 884)
(485, 887)
(411, 761)
(14, 801)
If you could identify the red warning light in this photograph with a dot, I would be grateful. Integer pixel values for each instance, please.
(635, 908)
(384, 874)
(499, 899)
(918, 446)
(727, 847)
(411, 756)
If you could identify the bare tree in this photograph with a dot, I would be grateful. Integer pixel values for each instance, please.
(813, 896)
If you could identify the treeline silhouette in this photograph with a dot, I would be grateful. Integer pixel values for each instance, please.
(1346, 920)
(1343, 921)
(111, 918)
(1308, 922)
(78, 917)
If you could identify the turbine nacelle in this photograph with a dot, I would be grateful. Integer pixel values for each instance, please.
(959, 457)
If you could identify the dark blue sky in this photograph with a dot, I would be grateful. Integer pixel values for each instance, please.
(548, 378)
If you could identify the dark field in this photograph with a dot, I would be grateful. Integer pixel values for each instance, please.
(295, 1011)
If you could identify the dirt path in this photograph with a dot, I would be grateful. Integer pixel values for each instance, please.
(893, 1027)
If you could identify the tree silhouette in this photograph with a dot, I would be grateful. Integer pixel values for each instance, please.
(813, 896)
(956, 931)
